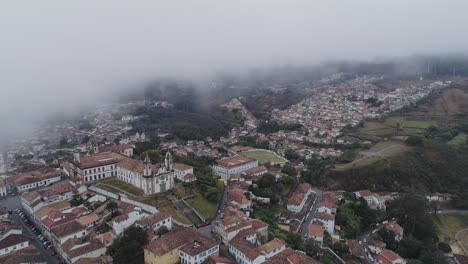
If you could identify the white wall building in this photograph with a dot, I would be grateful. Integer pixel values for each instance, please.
(125, 220)
(233, 165)
(13, 242)
(180, 170)
(3, 190)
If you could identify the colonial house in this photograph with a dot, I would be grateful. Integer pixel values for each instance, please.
(30, 180)
(12, 243)
(316, 232)
(233, 165)
(124, 149)
(181, 245)
(85, 247)
(298, 199)
(291, 256)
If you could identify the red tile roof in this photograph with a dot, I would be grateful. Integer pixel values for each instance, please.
(316, 230)
(234, 161)
(388, 257)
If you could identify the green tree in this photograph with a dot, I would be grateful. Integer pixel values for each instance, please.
(294, 240)
(311, 248)
(113, 207)
(444, 247)
(290, 154)
(213, 194)
(162, 230)
(128, 248)
(414, 141)
(289, 170)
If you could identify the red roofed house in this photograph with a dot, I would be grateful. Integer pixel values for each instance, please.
(376, 246)
(396, 229)
(298, 199)
(316, 232)
(389, 257)
(328, 221)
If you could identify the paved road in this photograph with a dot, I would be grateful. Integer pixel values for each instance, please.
(206, 230)
(312, 210)
(366, 235)
(14, 202)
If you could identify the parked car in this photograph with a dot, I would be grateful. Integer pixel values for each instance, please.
(49, 246)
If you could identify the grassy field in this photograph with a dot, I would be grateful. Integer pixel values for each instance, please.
(377, 152)
(418, 124)
(263, 156)
(447, 226)
(178, 215)
(204, 207)
(109, 183)
(457, 140)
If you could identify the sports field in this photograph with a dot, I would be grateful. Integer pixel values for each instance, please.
(263, 156)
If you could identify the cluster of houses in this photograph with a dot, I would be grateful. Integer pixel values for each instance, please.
(376, 250)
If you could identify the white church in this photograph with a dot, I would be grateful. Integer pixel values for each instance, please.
(151, 178)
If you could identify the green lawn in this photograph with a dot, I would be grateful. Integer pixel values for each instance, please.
(120, 185)
(263, 156)
(203, 206)
(418, 124)
(457, 140)
(178, 215)
(447, 225)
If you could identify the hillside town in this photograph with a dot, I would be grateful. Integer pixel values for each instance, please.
(73, 190)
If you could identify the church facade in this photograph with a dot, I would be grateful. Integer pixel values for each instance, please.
(151, 178)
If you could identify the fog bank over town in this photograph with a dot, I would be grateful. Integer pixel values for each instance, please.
(62, 57)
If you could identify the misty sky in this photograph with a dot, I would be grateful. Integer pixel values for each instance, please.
(64, 55)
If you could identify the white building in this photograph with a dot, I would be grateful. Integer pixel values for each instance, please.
(180, 170)
(13, 242)
(374, 200)
(316, 232)
(233, 165)
(156, 221)
(197, 250)
(125, 220)
(327, 207)
(30, 180)
(66, 231)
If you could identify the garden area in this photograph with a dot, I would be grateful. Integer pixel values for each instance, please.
(263, 157)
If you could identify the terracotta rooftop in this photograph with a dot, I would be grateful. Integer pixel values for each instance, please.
(34, 176)
(100, 159)
(296, 199)
(67, 229)
(272, 245)
(30, 196)
(325, 216)
(88, 219)
(291, 256)
(11, 240)
(255, 170)
(328, 205)
(174, 239)
(316, 230)
(234, 161)
(75, 247)
(387, 257)
(182, 167)
(197, 245)
(394, 227)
